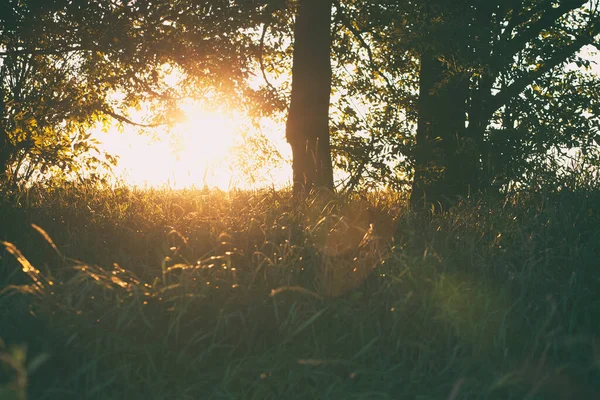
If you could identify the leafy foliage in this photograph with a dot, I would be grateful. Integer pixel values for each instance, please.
(546, 127)
(67, 65)
(504, 50)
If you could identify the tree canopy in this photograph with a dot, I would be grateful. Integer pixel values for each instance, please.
(458, 66)
(446, 97)
(66, 65)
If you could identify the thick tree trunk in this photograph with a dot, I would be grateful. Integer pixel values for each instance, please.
(307, 129)
(446, 157)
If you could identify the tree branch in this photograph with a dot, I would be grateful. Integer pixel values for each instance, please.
(146, 86)
(124, 119)
(261, 59)
(357, 34)
(43, 52)
(548, 18)
(516, 19)
(596, 45)
(559, 57)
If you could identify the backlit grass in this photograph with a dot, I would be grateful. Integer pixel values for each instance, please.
(130, 294)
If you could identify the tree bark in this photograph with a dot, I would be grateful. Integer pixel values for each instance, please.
(5, 154)
(6, 147)
(446, 157)
(307, 129)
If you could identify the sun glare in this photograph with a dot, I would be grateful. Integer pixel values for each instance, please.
(200, 151)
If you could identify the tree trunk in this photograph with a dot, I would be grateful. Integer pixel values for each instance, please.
(6, 147)
(6, 151)
(307, 129)
(446, 158)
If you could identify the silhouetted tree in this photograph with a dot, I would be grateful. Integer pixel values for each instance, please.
(476, 45)
(307, 129)
(472, 58)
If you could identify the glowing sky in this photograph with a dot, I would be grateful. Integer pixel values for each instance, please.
(200, 150)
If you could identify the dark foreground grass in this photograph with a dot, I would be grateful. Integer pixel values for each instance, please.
(196, 295)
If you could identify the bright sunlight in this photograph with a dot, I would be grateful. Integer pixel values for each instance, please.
(211, 149)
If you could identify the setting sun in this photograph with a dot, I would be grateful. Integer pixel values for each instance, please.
(204, 149)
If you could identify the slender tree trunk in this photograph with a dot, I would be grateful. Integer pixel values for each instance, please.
(473, 155)
(446, 160)
(307, 129)
(6, 147)
(6, 150)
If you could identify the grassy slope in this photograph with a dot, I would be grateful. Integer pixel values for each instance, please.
(193, 295)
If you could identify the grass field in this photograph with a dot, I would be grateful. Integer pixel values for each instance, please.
(157, 294)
